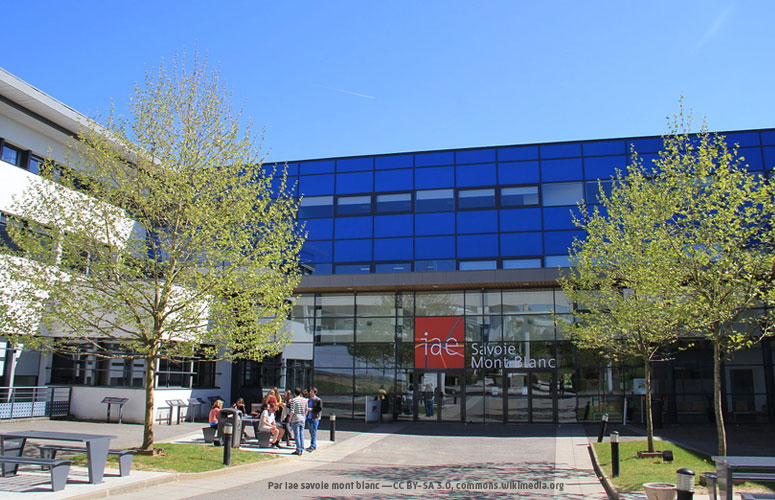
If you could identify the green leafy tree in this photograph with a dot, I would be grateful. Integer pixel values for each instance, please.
(179, 247)
(678, 248)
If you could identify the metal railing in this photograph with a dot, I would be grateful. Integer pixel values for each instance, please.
(26, 402)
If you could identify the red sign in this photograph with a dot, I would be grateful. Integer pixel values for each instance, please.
(438, 342)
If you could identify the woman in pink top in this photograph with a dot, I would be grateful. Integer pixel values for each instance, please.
(214, 411)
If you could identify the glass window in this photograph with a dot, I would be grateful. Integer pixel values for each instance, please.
(325, 268)
(476, 198)
(518, 301)
(519, 196)
(353, 268)
(528, 327)
(435, 223)
(394, 161)
(592, 190)
(753, 158)
(438, 304)
(478, 265)
(331, 329)
(653, 145)
(561, 170)
(601, 148)
(304, 306)
(352, 250)
(333, 356)
(353, 227)
(12, 155)
(336, 304)
(479, 221)
(558, 242)
(557, 261)
(435, 200)
(375, 304)
(435, 177)
(518, 244)
(311, 185)
(435, 247)
(429, 159)
(393, 225)
(604, 168)
(565, 193)
(359, 182)
(393, 249)
(316, 251)
(316, 167)
(518, 153)
(354, 164)
(378, 330)
(476, 175)
(518, 173)
(291, 185)
(393, 180)
(393, 267)
(521, 263)
(480, 245)
(319, 229)
(434, 265)
(520, 219)
(35, 164)
(560, 150)
(399, 202)
(475, 156)
(560, 218)
(351, 205)
(743, 139)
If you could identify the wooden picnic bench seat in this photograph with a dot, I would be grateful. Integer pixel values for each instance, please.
(124, 456)
(59, 468)
(757, 496)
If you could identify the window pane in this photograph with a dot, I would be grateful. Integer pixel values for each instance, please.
(521, 263)
(518, 153)
(436, 177)
(435, 247)
(520, 219)
(435, 200)
(523, 172)
(527, 301)
(395, 267)
(477, 221)
(480, 245)
(434, 265)
(353, 227)
(395, 249)
(476, 175)
(352, 250)
(393, 225)
(376, 330)
(316, 251)
(394, 180)
(319, 229)
(600, 148)
(395, 161)
(604, 168)
(335, 330)
(567, 193)
(560, 150)
(593, 192)
(557, 261)
(316, 167)
(399, 202)
(354, 164)
(476, 198)
(438, 304)
(517, 244)
(311, 185)
(353, 268)
(561, 170)
(35, 164)
(11, 155)
(436, 223)
(477, 265)
(360, 182)
(429, 159)
(349, 205)
(475, 156)
(316, 206)
(518, 196)
(330, 356)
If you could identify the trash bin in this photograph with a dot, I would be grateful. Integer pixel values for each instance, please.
(373, 408)
(234, 417)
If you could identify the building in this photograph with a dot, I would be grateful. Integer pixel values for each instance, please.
(433, 290)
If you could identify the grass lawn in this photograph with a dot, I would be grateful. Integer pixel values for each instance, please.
(634, 471)
(184, 458)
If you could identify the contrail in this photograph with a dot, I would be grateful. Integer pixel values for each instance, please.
(365, 96)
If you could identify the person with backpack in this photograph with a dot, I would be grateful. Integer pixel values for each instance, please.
(313, 417)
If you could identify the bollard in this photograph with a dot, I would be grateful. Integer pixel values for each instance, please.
(685, 484)
(615, 453)
(228, 428)
(332, 432)
(603, 425)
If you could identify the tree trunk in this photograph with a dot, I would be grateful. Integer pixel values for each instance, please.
(649, 417)
(717, 401)
(150, 376)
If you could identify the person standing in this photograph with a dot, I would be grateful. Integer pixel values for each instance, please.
(315, 405)
(299, 409)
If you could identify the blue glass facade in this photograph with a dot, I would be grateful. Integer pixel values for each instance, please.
(499, 207)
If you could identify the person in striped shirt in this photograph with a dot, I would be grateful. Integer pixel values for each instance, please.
(298, 413)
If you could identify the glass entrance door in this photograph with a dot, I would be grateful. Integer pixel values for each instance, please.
(530, 396)
(439, 396)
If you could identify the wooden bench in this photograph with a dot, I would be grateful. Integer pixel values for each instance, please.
(125, 457)
(59, 468)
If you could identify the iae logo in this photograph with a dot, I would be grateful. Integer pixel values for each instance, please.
(439, 342)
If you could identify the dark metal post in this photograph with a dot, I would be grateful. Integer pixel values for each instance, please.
(228, 428)
(603, 425)
(615, 454)
(685, 484)
(332, 432)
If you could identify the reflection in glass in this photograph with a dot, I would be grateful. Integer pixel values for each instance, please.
(518, 196)
(439, 304)
(335, 330)
(375, 329)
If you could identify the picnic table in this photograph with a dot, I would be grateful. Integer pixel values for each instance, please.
(732, 467)
(97, 446)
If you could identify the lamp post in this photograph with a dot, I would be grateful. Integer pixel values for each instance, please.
(228, 429)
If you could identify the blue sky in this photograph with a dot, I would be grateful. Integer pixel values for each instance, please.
(357, 77)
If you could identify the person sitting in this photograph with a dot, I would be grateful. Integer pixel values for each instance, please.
(214, 411)
(268, 424)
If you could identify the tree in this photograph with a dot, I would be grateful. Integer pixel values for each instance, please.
(686, 236)
(182, 246)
